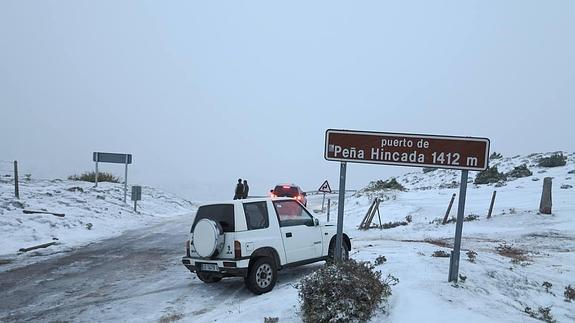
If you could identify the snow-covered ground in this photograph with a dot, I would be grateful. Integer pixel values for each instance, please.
(496, 287)
(90, 214)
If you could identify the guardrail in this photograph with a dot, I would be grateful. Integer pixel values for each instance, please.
(332, 192)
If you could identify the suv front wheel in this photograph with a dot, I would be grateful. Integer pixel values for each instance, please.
(262, 276)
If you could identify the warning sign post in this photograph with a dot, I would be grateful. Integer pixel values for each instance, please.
(324, 188)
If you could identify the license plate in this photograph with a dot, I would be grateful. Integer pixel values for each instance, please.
(210, 267)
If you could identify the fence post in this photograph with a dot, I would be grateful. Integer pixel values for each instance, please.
(545, 204)
(16, 188)
(448, 209)
(491, 205)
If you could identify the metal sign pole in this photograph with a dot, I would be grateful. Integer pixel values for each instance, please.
(454, 259)
(322, 202)
(339, 238)
(96, 175)
(126, 180)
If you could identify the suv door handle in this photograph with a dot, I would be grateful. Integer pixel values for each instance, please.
(288, 234)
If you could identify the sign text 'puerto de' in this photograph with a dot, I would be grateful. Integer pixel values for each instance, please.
(468, 153)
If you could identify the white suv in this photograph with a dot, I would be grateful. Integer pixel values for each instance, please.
(255, 238)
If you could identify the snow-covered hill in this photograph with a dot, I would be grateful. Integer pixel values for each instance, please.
(89, 213)
(517, 250)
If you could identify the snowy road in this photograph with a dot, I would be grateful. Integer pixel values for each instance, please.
(136, 277)
(88, 282)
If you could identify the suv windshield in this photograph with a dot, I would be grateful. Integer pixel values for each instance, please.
(286, 191)
(220, 213)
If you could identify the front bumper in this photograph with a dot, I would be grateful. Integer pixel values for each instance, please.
(226, 268)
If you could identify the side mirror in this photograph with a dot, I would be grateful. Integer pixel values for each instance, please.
(315, 222)
(303, 193)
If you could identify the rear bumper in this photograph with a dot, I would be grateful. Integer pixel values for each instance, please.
(227, 268)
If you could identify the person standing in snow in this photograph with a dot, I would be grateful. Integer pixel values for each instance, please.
(246, 189)
(239, 190)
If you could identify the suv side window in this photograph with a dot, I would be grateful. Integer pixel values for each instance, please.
(291, 213)
(256, 215)
(220, 213)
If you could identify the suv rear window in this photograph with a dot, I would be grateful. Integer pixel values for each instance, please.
(281, 191)
(220, 213)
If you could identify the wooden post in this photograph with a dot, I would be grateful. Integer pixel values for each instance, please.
(365, 222)
(546, 202)
(491, 205)
(448, 209)
(16, 188)
(378, 215)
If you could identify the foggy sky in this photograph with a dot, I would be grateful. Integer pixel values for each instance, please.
(205, 92)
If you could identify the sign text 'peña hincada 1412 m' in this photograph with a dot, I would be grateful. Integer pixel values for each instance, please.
(465, 153)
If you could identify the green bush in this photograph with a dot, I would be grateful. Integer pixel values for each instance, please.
(554, 160)
(379, 185)
(471, 256)
(490, 175)
(440, 254)
(519, 172)
(569, 293)
(380, 260)
(91, 177)
(350, 291)
(543, 314)
(495, 155)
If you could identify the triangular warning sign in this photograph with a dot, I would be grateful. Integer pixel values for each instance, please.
(324, 187)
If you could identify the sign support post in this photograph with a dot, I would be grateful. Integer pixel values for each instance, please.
(126, 179)
(454, 259)
(96, 156)
(114, 158)
(341, 201)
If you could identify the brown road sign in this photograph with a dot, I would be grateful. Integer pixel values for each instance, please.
(401, 149)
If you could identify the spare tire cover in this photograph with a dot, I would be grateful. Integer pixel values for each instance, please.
(208, 237)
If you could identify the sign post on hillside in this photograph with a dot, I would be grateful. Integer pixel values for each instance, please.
(415, 150)
(99, 157)
(324, 188)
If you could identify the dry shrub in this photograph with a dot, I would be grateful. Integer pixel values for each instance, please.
(569, 293)
(440, 254)
(350, 291)
(516, 254)
(91, 177)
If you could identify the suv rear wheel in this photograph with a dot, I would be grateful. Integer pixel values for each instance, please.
(262, 276)
(209, 278)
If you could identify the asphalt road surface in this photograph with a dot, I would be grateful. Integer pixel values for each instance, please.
(93, 282)
(135, 277)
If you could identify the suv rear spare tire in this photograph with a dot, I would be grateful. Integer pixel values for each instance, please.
(208, 238)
